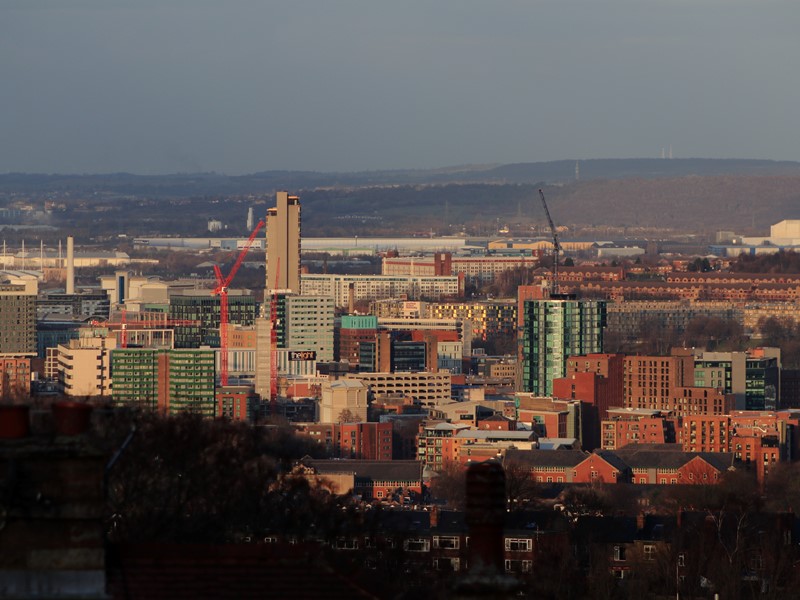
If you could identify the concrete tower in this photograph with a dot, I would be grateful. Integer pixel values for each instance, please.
(283, 244)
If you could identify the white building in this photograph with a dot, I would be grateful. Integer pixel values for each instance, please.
(379, 287)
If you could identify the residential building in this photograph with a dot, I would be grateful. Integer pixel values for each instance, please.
(438, 444)
(635, 426)
(488, 319)
(481, 269)
(17, 320)
(370, 479)
(15, 378)
(552, 331)
(237, 403)
(84, 365)
(650, 380)
(347, 288)
(362, 441)
(169, 381)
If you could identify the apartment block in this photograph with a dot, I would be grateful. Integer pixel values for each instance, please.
(15, 377)
(344, 288)
(362, 441)
(649, 381)
(17, 319)
(169, 381)
(552, 331)
(84, 366)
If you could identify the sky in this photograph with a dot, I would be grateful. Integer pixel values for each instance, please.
(240, 86)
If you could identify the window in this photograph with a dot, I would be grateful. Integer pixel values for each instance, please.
(346, 544)
(446, 564)
(518, 544)
(450, 542)
(417, 545)
(619, 552)
(681, 560)
(649, 552)
(518, 566)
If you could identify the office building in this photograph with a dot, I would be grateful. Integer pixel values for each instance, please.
(305, 323)
(353, 331)
(204, 309)
(283, 244)
(552, 331)
(753, 377)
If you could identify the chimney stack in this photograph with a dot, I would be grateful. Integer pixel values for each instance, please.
(70, 265)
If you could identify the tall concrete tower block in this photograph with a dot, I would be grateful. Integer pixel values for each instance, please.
(283, 244)
(250, 219)
(70, 286)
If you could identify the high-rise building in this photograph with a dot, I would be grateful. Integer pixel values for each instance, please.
(552, 331)
(283, 244)
(17, 320)
(170, 381)
(84, 366)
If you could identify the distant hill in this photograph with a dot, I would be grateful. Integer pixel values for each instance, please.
(694, 195)
(554, 172)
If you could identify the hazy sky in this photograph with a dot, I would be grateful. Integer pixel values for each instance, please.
(237, 86)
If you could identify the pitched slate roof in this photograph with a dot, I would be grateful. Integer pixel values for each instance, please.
(642, 457)
(545, 458)
(377, 470)
(613, 459)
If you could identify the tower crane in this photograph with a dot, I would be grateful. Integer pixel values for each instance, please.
(222, 291)
(273, 345)
(556, 246)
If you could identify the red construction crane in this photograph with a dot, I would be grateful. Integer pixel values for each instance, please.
(273, 344)
(222, 291)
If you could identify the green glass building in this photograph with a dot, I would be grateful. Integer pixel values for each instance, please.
(552, 331)
(173, 381)
(134, 376)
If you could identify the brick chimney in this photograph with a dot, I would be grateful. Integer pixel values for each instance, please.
(434, 517)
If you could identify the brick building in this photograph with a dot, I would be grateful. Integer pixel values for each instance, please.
(362, 441)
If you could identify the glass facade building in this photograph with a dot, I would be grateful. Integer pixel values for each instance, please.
(552, 331)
